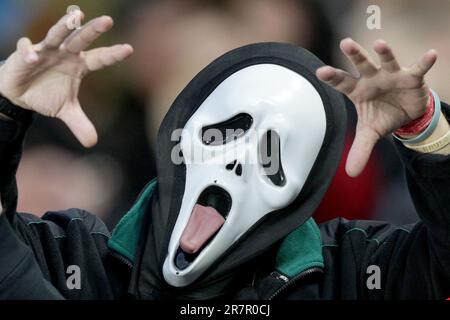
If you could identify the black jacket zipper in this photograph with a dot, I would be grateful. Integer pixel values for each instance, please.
(121, 258)
(300, 276)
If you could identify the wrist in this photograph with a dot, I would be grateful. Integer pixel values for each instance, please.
(8, 110)
(435, 137)
(421, 128)
(9, 92)
(417, 126)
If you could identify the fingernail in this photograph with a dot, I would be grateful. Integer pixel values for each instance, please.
(129, 47)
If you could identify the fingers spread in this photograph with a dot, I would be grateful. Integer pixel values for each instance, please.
(26, 51)
(103, 57)
(83, 38)
(387, 58)
(61, 30)
(425, 63)
(338, 79)
(77, 121)
(365, 140)
(359, 57)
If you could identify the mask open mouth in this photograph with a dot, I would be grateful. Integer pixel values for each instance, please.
(207, 218)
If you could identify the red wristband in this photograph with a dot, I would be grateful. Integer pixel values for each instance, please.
(418, 125)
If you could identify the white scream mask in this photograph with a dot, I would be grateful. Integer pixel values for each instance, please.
(229, 183)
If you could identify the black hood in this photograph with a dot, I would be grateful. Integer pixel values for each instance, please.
(147, 281)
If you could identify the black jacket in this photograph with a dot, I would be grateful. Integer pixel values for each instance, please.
(326, 262)
(332, 261)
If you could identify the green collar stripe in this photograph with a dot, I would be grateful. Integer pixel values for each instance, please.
(300, 250)
(125, 236)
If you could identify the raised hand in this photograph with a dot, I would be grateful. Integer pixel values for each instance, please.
(385, 96)
(46, 77)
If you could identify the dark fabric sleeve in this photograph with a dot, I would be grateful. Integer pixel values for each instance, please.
(413, 260)
(20, 275)
(428, 178)
(12, 134)
(36, 254)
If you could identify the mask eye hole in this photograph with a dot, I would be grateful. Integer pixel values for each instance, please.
(226, 131)
(270, 158)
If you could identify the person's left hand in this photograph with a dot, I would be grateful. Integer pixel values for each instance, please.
(386, 97)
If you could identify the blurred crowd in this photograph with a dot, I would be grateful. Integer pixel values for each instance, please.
(175, 39)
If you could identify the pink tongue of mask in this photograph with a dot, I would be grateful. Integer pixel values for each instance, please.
(203, 223)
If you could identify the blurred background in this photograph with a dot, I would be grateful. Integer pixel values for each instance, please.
(175, 39)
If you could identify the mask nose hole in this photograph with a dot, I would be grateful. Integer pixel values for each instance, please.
(234, 166)
(238, 170)
(231, 165)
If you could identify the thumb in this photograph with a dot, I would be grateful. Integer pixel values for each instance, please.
(80, 125)
(365, 140)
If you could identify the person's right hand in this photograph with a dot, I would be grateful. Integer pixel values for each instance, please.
(46, 77)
